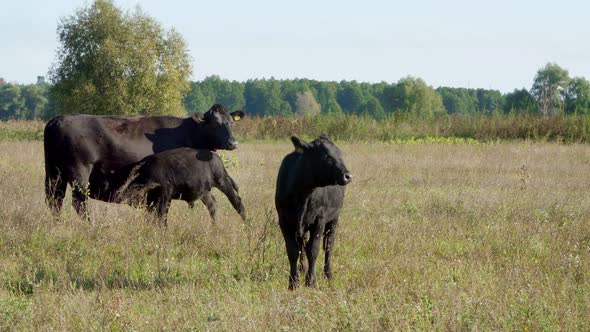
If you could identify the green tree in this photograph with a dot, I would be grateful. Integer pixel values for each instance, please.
(414, 97)
(577, 96)
(520, 101)
(290, 90)
(373, 108)
(350, 97)
(327, 92)
(459, 100)
(489, 100)
(110, 62)
(35, 101)
(231, 95)
(263, 97)
(549, 88)
(198, 100)
(11, 101)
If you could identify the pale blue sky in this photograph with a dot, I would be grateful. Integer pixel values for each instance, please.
(477, 44)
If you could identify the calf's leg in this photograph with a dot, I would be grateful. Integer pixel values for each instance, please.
(312, 249)
(209, 200)
(226, 187)
(302, 260)
(329, 237)
(300, 234)
(162, 206)
(158, 202)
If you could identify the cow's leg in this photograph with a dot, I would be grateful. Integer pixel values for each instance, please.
(312, 250)
(55, 189)
(292, 245)
(293, 251)
(79, 183)
(329, 236)
(226, 186)
(209, 200)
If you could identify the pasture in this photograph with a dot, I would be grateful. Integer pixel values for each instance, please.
(432, 236)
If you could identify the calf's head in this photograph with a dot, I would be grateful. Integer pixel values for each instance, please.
(322, 161)
(215, 128)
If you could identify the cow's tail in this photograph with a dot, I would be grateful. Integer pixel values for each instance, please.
(55, 181)
(55, 188)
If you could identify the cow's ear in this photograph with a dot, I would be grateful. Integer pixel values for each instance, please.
(300, 145)
(237, 115)
(198, 117)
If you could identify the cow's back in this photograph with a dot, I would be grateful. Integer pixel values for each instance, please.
(107, 141)
(285, 182)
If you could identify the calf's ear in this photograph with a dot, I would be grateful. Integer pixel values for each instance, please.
(237, 115)
(300, 145)
(216, 108)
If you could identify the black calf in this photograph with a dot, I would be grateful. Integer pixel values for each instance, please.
(184, 173)
(309, 196)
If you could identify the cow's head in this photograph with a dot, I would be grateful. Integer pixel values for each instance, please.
(215, 128)
(323, 160)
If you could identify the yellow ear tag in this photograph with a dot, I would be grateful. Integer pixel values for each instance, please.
(237, 118)
(299, 150)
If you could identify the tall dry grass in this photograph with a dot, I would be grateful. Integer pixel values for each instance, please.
(352, 128)
(432, 236)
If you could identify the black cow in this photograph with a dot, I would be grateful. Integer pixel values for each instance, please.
(184, 173)
(76, 146)
(309, 196)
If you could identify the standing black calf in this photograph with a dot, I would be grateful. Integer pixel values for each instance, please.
(309, 196)
(184, 173)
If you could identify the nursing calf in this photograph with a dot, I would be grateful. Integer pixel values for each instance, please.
(184, 173)
(308, 198)
(78, 146)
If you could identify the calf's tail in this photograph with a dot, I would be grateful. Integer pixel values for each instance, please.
(133, 192)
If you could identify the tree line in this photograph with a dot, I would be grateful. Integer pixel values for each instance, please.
(409, 96)
(24, 101)
(553, 92)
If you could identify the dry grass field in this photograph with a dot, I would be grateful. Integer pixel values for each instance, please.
(432, 237)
